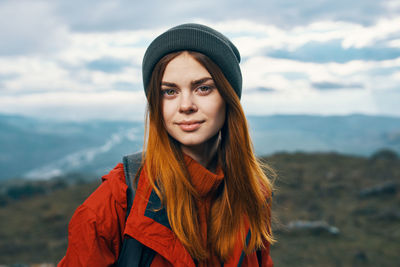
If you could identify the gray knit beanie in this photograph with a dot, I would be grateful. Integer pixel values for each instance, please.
(199, 38)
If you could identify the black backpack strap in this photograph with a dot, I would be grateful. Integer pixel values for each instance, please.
(133, 253)
(132, 165)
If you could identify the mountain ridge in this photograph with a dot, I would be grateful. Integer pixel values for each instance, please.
(33, 147)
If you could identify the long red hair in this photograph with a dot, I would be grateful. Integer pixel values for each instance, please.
(246, 190)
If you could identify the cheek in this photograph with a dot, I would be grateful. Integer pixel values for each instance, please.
(168, 110)
(218, 112)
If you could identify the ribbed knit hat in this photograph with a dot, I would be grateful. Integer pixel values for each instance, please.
(199, 38)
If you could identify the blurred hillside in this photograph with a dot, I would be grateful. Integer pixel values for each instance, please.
(34, 148)
(330, 210)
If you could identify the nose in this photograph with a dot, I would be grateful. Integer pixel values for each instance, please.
(187, 104)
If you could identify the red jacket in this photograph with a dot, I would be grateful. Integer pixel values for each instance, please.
(97, 228)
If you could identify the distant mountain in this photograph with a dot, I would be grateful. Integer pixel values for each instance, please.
(352, 134)
(35, 148)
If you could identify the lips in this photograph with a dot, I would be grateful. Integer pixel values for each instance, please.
(189, 126)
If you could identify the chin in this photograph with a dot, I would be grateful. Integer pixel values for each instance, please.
(191, 140)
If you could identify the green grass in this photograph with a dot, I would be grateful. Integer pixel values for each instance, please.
(34, 230)
(326, 187)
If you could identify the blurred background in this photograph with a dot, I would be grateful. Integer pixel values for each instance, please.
(321, 93)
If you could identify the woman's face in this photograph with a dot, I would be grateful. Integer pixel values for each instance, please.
(193, 110)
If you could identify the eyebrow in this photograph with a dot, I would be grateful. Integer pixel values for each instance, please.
(192, 83)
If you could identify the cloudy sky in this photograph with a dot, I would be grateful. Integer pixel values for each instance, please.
(78, 60)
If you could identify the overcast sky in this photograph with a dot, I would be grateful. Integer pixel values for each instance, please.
(79, 60)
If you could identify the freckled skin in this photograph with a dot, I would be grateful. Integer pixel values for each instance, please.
(185, 102)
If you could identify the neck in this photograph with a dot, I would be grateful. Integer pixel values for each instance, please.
(204, 153)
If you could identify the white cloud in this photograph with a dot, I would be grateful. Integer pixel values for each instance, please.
(103, 15)
(60, 83)
(270, 72)
(35, 74)
(252, 38)
(30, 27)
(394, 43)
(126, 45)
(77, 105)
(367, 36)
(392, 5)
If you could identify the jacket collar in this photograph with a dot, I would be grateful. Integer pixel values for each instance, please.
(149, 225)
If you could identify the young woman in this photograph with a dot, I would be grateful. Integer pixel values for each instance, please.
(201, 198)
